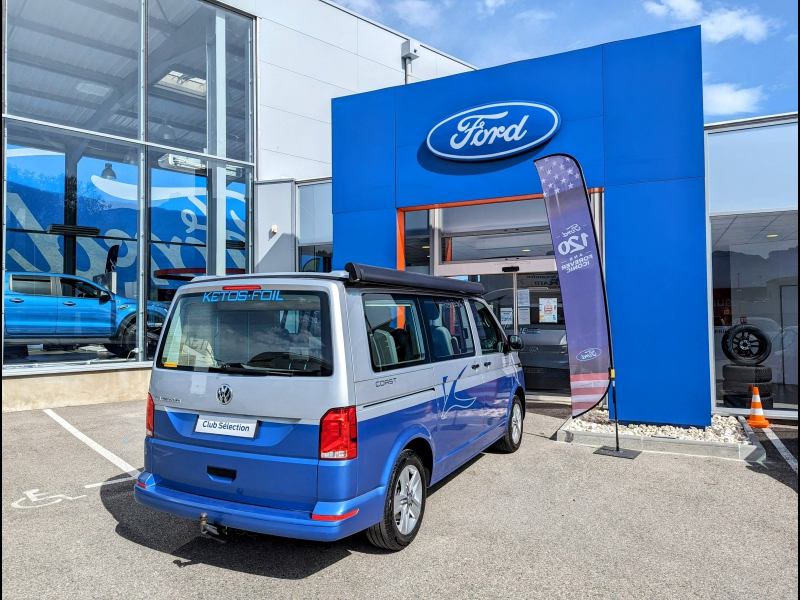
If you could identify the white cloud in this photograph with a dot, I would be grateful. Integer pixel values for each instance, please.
(682, 10)
(489, 6)
(725, 24)
(535, 16)
(723, 99)
(718, 25)
(420, 13)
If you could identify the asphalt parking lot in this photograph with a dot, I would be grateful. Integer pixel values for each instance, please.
(552, 520)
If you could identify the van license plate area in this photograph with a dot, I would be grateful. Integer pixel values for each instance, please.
(245, 428)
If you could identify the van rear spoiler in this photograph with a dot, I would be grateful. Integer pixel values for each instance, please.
(367, 274)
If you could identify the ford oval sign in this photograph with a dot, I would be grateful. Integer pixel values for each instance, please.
(589, 354)
(493, 131)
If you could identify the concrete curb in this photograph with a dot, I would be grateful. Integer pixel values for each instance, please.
(746, 453)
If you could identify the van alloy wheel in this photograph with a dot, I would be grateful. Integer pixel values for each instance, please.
(404, 506)
(516, 423)
(408, 499)
(512, 438)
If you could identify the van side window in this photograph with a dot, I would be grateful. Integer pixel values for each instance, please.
(489, 333)
(31, 284)
(448, 328)
(394, 331)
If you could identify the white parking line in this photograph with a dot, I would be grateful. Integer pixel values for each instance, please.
(123, 480)
(125, 467)
(776, 441)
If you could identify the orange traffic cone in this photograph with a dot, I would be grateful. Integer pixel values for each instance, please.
(757, 418)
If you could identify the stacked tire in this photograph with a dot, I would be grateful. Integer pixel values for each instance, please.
(746, 346)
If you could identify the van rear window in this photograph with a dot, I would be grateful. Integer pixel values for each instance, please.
(266, 332)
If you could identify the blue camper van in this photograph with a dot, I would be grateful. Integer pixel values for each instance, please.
(318, 405)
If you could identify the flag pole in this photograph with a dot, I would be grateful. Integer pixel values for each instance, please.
(613, 377)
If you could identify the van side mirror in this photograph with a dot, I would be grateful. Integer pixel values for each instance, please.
(515, 343)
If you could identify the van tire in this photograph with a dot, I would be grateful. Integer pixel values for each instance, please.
(512, 440)
(386, 534)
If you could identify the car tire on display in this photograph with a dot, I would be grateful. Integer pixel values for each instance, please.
(128, 339)
(745, 389)
(404, 506)
(15, 352)
(746, 374)
(743, 401)
(511, 441)
(746, 345)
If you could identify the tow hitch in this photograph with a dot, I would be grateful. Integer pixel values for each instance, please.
(211, 531)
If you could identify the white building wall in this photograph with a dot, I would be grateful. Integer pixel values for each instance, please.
(309, 52)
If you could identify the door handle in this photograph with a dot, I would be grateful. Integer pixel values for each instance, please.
(16, 300)
(487, 364)
(475, 366)
(68, 303)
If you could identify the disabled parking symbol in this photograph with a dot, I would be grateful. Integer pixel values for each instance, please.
(37, 499)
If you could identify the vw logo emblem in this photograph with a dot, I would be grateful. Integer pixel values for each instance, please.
(224, 394)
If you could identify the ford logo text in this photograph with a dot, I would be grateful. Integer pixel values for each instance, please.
(493, 131)
(589, 354)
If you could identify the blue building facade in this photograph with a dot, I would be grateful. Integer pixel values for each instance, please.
(632, 115)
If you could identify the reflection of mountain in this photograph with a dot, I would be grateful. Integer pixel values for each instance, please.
(736, 269)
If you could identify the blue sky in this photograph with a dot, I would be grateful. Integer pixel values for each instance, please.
(749, 48)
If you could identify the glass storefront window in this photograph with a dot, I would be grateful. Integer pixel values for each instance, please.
(315, 227)
(199, 83)
(754, 269)
(181, 231)
(417, 241)
(72, 223)
(482, 232)
(178, 222)
(75, 63)
(74, 203)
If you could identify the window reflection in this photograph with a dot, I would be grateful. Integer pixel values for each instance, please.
(75, 63)
(315, 227)
(755, 308)
(198, 78)
(71, 253)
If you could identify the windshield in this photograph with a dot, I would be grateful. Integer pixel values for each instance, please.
(261, 332)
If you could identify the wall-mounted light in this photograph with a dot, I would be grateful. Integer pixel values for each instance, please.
(108, 172)
(274, 229)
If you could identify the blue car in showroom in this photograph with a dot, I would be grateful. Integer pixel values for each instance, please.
(56, 309)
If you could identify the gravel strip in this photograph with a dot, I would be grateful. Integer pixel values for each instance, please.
(723, 429)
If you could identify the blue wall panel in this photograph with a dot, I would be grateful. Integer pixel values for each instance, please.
(368, 236)
(632, 116)
(656, 280)
(653, 104)
(364, 147)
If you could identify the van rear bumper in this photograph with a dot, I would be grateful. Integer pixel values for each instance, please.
(261, 519)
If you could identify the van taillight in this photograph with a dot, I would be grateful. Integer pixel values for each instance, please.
(150, 416)
(338, 434)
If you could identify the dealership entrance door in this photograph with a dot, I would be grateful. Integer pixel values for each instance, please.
(505, 244)
(529, 304)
